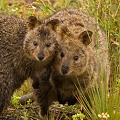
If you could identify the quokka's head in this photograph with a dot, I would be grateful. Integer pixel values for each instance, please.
(73, 54)
(40, 40)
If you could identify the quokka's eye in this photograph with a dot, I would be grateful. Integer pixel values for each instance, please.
(76, 58)
(48, 44)
(35, 43)
(62, 54)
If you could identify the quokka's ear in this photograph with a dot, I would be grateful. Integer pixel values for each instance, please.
(86, 37)
(33, 22)
(65, 31)
(53, 24)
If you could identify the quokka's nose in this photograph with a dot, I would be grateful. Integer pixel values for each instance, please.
(64, 69)
(40, 56)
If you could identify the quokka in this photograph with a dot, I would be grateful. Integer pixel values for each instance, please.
(26, 49)
(81, 56)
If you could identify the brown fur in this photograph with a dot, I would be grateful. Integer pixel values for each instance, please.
(26, 49)
(75, 65)
(81, 56)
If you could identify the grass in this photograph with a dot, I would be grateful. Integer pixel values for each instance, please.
(107, 13)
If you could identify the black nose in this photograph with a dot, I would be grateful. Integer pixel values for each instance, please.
(64, 69)
(40, 56)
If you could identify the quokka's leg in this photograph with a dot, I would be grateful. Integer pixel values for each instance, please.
(6, 91)
(44, 96)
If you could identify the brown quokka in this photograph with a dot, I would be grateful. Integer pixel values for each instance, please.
(80, 57)
(26, 49)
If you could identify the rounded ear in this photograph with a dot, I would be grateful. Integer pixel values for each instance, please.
(65, 31)
(86, 37)
(53, 24)
(33, 22)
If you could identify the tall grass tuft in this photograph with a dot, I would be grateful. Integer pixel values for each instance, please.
(105, 99)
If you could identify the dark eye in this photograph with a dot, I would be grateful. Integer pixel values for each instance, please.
(35, 43)
(76, 58)
(62, 54)
(48, 45)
